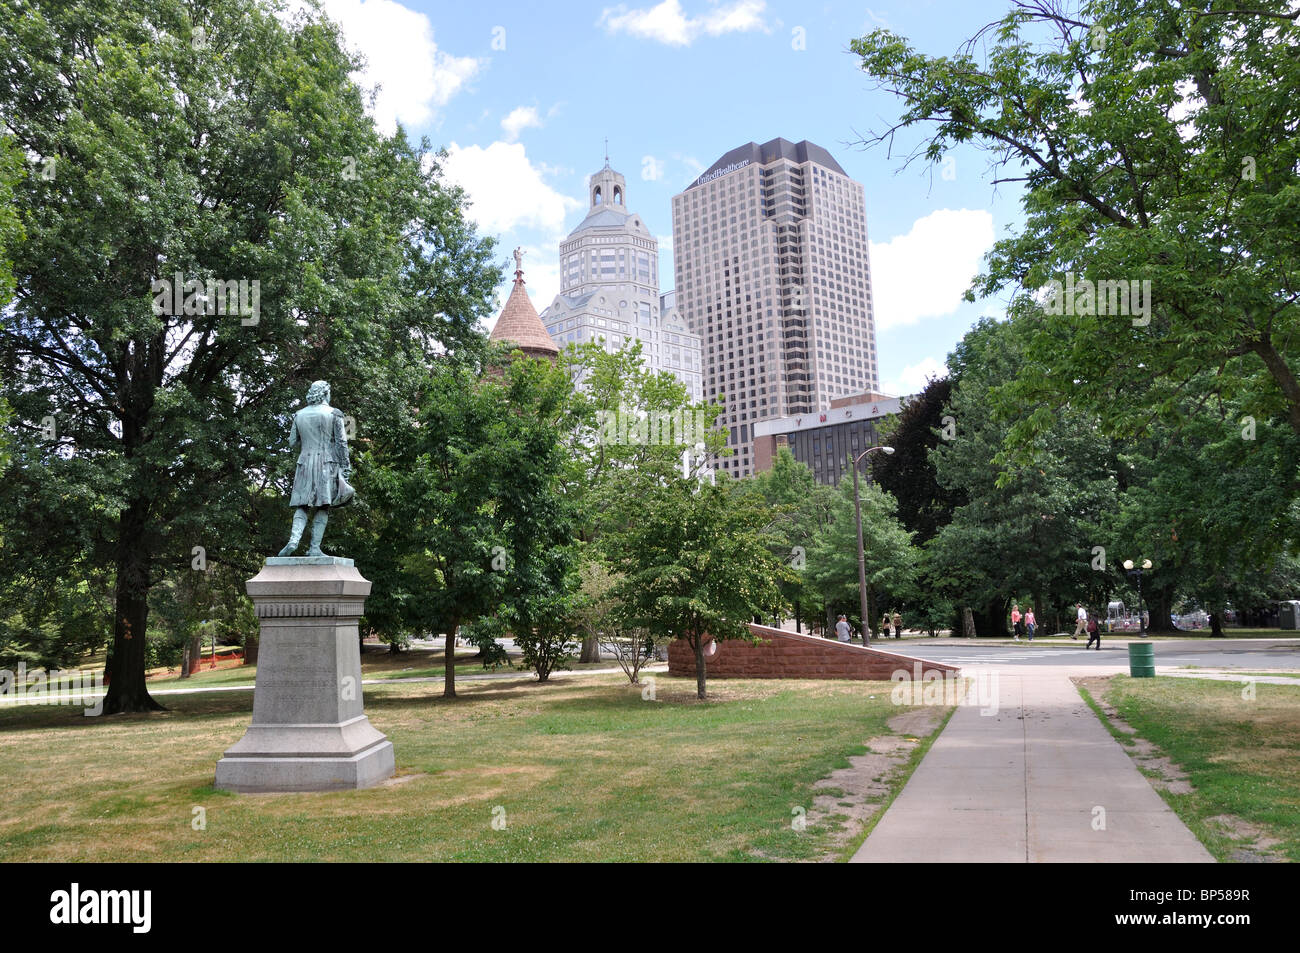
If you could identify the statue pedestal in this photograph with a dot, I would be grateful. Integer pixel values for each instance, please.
(309, 731)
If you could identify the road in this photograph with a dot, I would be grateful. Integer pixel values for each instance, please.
(1247, 654)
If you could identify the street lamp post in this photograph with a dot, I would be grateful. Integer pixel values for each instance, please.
(1137, 571)
(862, 555)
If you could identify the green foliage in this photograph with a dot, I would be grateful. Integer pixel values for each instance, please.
(908, 474)
(597, 614)
(1204, 505)
(467, 519)
(1156, 142)
(545, 629)
(11, 233)
(799, 508)
(250, 159)
(1024, 528)
(620, 403)
(696, 560)
(11, 226)
(890, 559)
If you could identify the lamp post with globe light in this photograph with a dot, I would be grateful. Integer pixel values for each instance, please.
(1136, 571)
(862, 556)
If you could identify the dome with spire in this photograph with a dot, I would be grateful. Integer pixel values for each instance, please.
(607, 191)
(519, 323)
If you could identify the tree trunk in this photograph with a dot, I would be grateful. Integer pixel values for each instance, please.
(590, 649)
(1161, 609)
(449, 661)
(186, 653)
(797, 626)
(1216, 626)
(699, 666)
(196, 651)
(126, 684)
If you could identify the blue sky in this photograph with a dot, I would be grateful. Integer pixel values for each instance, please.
(523, 96)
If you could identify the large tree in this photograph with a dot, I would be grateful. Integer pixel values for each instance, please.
(697, 562)
(1024, 529)
(215, 142)
(800, 508)
(634, 428)
(1156, 141)
(1204, 505)
(908, 474)
(889, 558)
(11, 233)
(468, 518)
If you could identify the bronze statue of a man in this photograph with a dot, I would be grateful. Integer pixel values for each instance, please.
(323, 467)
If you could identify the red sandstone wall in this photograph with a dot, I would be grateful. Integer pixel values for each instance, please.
(783, 654)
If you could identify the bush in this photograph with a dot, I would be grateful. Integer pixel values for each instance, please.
(161, 649)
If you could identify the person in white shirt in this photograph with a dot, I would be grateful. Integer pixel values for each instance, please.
(1082, 624)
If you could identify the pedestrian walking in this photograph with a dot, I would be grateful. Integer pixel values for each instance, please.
(1094, 633)
(842, 629)
(898, 625)
(1015, 623)
(1030, 624)
(884, 626)
(1081, 625)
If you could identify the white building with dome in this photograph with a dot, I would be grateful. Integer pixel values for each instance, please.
(609, 288)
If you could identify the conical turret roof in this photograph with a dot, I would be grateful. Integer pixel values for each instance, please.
(519, 323)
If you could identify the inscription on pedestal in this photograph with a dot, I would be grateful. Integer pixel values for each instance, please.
(307, 734)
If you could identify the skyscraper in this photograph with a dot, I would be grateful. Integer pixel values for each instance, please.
(609, 287)
(772, 271)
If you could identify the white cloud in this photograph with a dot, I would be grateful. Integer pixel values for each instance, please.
(693, 165)
(519, 119)
(668, 23)
(506, 190)
(912, 379)
(414, 77)
(652, 169)
(924, 273)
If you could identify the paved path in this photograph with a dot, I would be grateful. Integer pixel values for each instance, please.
(1025, 785)
(1208, 653)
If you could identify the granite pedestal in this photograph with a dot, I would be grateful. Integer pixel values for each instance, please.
(309, 731)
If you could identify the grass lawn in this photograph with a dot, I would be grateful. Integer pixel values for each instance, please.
(1241, 757)
(375, 663)
(1278, 673)
(580, 769)
(1228, 633)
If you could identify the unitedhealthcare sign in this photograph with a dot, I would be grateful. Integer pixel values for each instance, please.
(724, 170)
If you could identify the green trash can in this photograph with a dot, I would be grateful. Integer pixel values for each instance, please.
(1142, 659)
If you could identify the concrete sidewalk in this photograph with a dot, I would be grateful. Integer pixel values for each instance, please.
(1032, 783)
